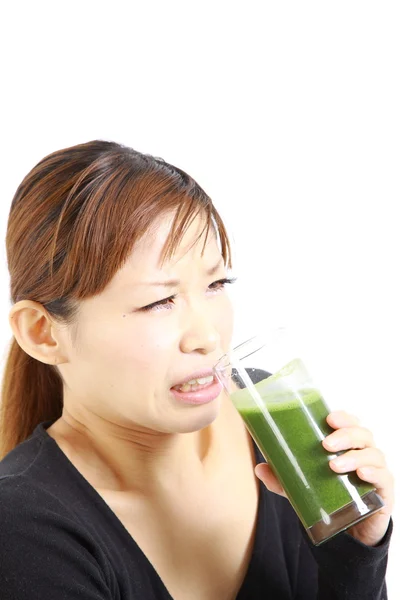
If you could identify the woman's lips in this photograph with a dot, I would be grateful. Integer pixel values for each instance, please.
(202, 395)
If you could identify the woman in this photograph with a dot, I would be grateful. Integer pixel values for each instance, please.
(127, 473)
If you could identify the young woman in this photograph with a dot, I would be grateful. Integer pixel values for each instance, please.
(127, 473)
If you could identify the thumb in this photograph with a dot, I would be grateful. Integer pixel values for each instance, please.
(265, 473)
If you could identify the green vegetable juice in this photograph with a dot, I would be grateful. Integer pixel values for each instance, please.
(296, 453)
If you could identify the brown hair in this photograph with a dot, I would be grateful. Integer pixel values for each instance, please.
(73, 222)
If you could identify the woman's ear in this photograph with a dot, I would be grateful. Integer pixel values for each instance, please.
(36, 332)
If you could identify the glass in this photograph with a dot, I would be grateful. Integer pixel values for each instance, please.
(286, 414)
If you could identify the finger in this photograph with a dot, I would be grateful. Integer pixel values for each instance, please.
(380, 476)
(349, 437)
(341, 418)
(382, 479)
(356, 459)
(269, 479)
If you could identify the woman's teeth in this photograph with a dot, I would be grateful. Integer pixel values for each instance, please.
(195, 384)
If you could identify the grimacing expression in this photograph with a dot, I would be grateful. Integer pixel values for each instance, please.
(138, 338)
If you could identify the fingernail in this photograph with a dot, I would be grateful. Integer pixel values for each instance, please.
(344, 464)
(366, 471)
(334, 444)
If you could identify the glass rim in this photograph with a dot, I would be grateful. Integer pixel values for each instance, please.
(256, 339)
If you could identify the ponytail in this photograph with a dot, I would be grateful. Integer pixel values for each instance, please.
(32, 392)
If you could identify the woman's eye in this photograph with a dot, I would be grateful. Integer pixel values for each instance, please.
(221, 283)
(160, 304)
(167, 303)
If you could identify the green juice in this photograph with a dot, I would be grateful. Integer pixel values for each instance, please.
(301, 463)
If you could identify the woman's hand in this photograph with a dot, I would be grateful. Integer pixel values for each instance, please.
(362, 457)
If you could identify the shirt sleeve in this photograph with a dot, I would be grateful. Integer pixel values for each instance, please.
(44, 555)
(347, 568)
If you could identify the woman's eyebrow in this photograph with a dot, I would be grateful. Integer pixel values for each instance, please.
(176, 282)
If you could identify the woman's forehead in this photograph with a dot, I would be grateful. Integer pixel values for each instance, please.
(149, 249)
(145, 264)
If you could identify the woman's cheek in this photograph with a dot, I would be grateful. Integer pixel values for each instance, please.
(225, 321)
(149, 342)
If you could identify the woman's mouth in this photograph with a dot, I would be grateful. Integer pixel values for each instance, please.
(198, 391)
(195, 384)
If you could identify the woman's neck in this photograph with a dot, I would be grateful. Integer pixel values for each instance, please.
(147, 462)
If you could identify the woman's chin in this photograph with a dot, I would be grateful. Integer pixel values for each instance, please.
(198, 417)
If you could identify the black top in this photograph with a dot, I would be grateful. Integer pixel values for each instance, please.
(60, 540)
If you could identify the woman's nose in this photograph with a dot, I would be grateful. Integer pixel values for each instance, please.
(200, 335)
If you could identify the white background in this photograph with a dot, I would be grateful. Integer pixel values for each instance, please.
(287, 113)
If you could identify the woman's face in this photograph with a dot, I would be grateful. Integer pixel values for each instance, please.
(126, 357)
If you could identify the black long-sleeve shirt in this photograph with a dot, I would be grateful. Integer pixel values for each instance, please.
(60, 540)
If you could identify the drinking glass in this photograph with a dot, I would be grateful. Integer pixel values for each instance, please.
(285, 414)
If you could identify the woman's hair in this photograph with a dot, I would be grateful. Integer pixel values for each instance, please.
(73, 222)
